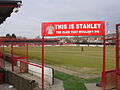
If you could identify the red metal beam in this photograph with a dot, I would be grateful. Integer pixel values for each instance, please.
(8, 5)
(27, 62)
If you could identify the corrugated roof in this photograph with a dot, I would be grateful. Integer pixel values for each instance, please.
(6, 8)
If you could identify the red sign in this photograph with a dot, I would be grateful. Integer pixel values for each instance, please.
(82, 28)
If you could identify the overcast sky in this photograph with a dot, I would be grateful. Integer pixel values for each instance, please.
(33, 12)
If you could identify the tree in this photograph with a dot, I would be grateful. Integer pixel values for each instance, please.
(8, 35)
(13, 35)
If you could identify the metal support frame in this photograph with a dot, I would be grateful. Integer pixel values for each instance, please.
(117, 69)
(104, 63)
(43, 62)
(13, 58)
(8, 6)
(117, 57)
(2, 55)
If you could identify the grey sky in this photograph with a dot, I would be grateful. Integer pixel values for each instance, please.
(33, 12)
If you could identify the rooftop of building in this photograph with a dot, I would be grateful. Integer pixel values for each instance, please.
(7, 7)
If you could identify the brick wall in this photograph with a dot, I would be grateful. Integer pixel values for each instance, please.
(19, 82)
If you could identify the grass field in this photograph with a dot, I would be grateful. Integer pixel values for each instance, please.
(72, 58)
(74, 83)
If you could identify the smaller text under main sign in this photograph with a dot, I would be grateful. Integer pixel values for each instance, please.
(82, 28)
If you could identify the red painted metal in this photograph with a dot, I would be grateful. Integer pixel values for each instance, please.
(49, 29)
(20, 57)
(27, 57)
(15, 39)
(111, 39)
(43, 56)
(3, 54)
(104, 63)
(42, 62)
(2, 62)
(12, 57)
(110, 71)
(1, 57)
(116, 73)
(8, 5)
(27, 62)
(78, 28)
(117, 58)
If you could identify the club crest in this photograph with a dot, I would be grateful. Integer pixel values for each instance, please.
(50, 29)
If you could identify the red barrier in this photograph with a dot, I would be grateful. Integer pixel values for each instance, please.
(25, 57)
(118, 57)
(2, 56)
(111, 78)
(17, 59)
(28, 63)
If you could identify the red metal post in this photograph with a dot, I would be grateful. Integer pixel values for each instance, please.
(104, 63)
(43, 62)
(27, 58)
(117, 58)
(3, 55)
(27, 51)
(12, 57)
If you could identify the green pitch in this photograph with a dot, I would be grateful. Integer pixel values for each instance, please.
(73, 58)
